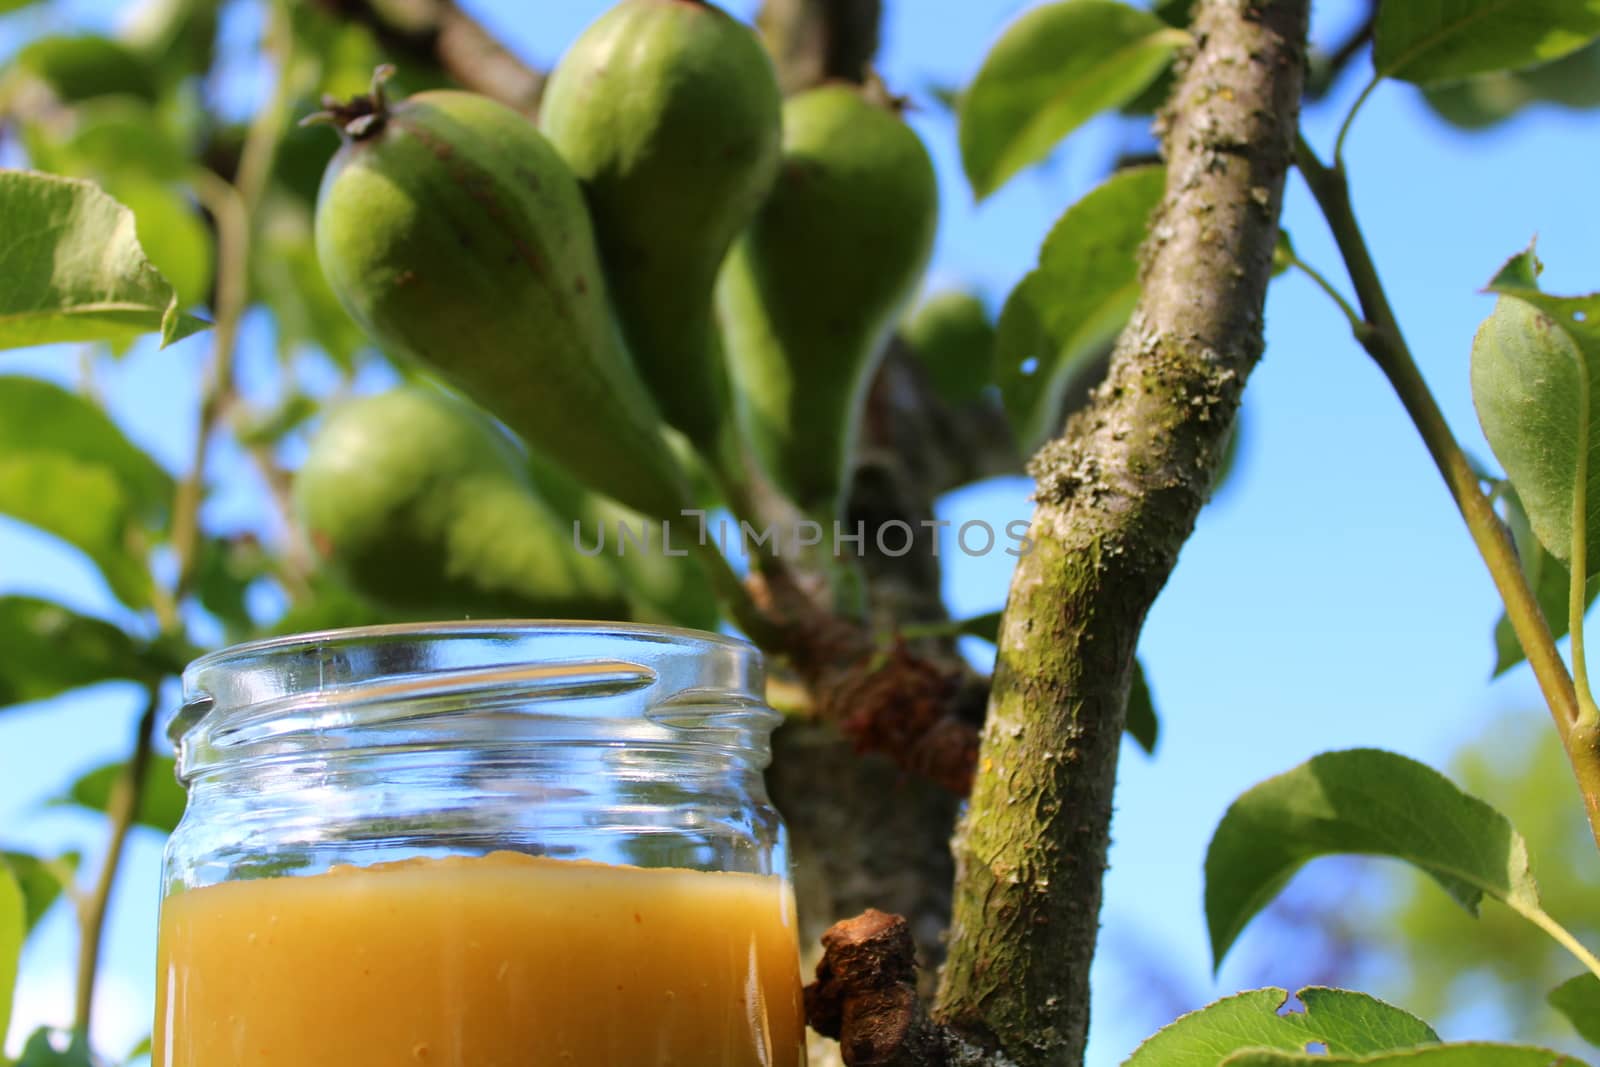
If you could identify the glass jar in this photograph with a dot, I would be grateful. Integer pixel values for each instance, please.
(478, 844)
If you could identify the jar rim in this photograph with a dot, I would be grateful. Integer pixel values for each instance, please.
(682, 635)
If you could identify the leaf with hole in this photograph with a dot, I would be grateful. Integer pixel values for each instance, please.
(1579, 1000)
(75, 269)
(1064, 313)
(1347, 1023)
(1445, 40)
(49, 1046)
(1363, 801)
(1536, 385)
(1052, 70)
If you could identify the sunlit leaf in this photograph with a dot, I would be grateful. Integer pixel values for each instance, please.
(1065, 312)
(1466, 1054)
(1443, 40)
(84, 505)
(1052, 70)
(74, 268)
(160, 807)
(1536, 385)
(1361, 801)
(13, 932)
(1347, 1023)
(172, 233)
(42, 417)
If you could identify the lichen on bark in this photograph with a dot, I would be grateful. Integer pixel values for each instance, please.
(1117, 495)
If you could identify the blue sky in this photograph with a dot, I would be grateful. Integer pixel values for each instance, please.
(1329, 598)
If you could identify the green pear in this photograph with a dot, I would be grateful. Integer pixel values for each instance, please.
(813, 289)
(426, 506)
(456, 235)
(669, 113)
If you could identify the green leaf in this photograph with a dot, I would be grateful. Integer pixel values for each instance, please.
(1548, 579)
(41, 881)
(223, 579)
(1536, 385)
(13, 932)
(160, 807)
(41, 1051)
(1055, 68)
(109, 136)
(985, 626)
(1142, 724)
(953, 337)
(1466, 1054)
(7, 6)
(1444, 40)
(1579, 1000)
(1362, 801)
(50, 649)
(81, 67)
(1573, 81)
(1065, 312)
(1347, 1023)
(85, 506)
(74, 267)
(172, 233)
(42, 417)
(288, 278)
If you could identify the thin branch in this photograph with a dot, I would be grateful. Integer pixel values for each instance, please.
(233, 207)
(1326, 70)
(1387, 346)
(122, 808)
(814, 41)
(439, 33)
(1117, 496)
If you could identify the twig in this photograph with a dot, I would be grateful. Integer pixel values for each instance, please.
(439, 33)
(233, 207)
(122, 808)
(1387, 346)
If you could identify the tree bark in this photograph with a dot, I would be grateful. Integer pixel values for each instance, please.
(814, 41)
(1117, 496)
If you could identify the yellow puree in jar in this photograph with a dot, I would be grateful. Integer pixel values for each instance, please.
(503, 960)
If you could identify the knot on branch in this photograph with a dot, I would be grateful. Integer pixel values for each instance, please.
(885, 699)
(865, 995)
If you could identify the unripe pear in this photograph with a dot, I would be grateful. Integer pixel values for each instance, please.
(425, 505)
(669, 113)
(457, 236)
(813, 289)
(952, 335)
